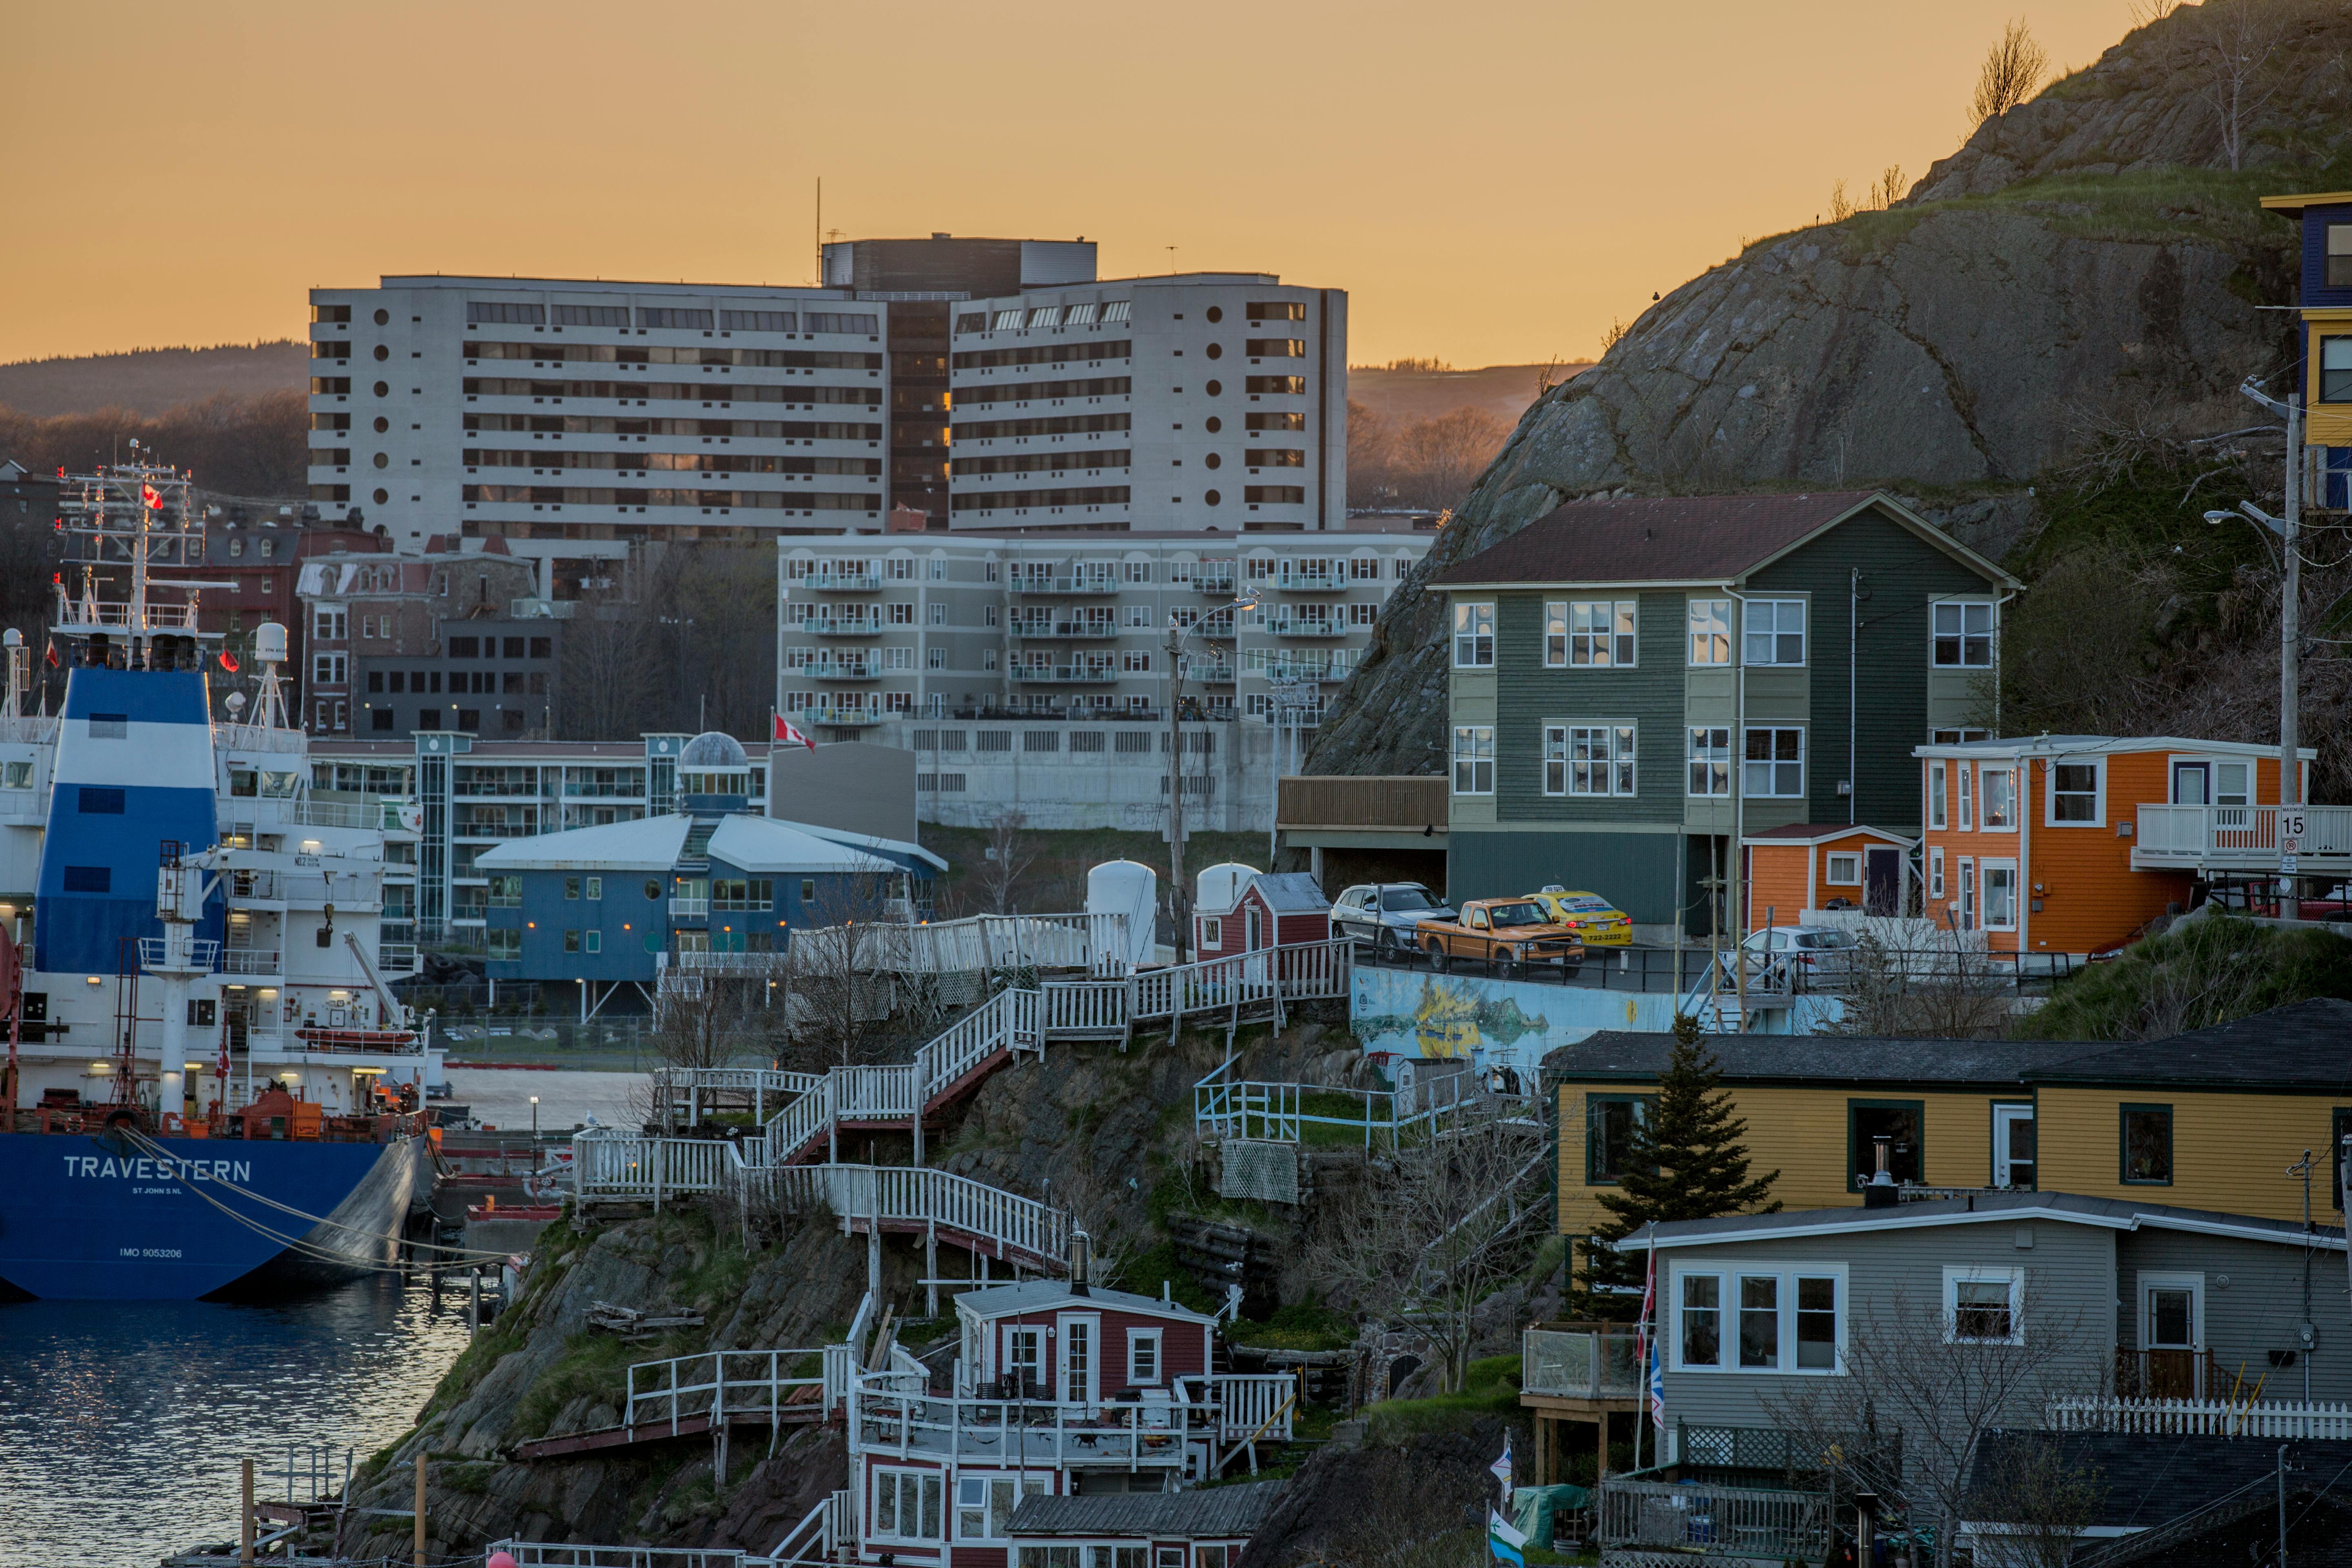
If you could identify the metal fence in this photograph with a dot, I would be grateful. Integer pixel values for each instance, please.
(1704, 1519)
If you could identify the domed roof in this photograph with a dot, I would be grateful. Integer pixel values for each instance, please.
(713, 748)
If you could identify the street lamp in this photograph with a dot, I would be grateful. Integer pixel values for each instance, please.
(2289, 529)
(534, 1119)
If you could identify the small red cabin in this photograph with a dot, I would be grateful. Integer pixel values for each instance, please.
(1274, 908)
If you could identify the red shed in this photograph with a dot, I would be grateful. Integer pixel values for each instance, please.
(1274, 908)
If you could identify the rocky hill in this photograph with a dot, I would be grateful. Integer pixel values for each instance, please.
(2091, 260)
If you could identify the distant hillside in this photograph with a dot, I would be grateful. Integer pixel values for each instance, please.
(1405, 397)
(149, 381)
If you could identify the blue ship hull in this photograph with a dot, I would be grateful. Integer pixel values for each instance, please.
(91, 1218)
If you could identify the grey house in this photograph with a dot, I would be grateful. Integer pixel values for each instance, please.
(2167, 1304)
(1637, 685)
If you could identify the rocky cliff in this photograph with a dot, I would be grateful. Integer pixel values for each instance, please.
(2089, 260)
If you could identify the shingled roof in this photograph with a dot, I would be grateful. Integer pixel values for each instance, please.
(1209, 1511)
(1678, 538)
(2305, 1045)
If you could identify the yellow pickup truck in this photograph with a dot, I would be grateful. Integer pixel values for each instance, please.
(1504, 934)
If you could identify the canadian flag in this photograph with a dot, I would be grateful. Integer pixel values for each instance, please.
(791, 736)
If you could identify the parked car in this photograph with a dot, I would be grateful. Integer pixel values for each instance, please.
(1807, 954)
(1385, 913)
(1598, 922)
(1508, 934)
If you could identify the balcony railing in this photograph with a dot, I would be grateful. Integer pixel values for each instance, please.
(1064, 674)
(690, 908)
(1580, 1362)
(849, 671)
(252, 961)
(1220, 584)
(844, 715)
(397, 957)
(1208, 672)
(1102, 586)
(840, 583)
(1036, 630)
(2220, 1416)
(2175, 1375)
(832, 628)
(2247, 837)
(1301, 629)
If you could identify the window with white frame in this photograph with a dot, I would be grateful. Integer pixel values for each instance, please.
(1774, 763)
(1143, 1355)
(984, 1503)
(329, 623)
(1936, 802)
(1775, 631)
(1984, 1306)
(1711, 760)
(1589, 759)
(2075, 794)
(1588, 633)
(906, 1504)
(1935, 873)
(1843, 869)
(1967, 879)
(1473, 759)
(1213, 930)
(2000, 797)
(327, 668)
(1998, 894)
(1767, 1318)
(1710, 631)
(1963, 636)
(1473, 636)
(1024, 1354)
(1968, 790)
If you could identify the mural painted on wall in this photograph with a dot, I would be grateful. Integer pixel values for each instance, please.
(1402, 1016)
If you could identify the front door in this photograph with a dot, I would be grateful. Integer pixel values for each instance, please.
(2192, 783)
(1882, 880)
(2012, 1146)
(2169, 1331)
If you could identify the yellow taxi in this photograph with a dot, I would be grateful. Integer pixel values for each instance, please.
(1598, 922)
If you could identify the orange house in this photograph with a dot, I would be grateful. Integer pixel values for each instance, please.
(2073, 842)
(1818, 865)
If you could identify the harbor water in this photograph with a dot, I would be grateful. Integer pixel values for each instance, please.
(122, 1423)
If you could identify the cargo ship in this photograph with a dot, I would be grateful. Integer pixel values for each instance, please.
(210, 1089)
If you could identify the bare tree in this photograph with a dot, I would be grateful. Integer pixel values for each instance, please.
(2240, 39)
(1923, 1387)
(601, 684)
(2012, 68)
(1439, 459)
(703, 1020)
(1613, 336)
(1011, 852)
(841, 976)
(1841, 204)
(1440, 1227)
(1888, 188)
(2031, 1497)
(1951, 990)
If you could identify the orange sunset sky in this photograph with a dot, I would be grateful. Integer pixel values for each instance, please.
(1493, 182)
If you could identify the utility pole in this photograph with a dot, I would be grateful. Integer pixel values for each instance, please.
(1175, 788)
(2289, 529)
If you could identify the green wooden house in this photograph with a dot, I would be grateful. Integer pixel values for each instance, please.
(1604, 658)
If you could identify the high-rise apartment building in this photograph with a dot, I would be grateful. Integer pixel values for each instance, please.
(573, 418)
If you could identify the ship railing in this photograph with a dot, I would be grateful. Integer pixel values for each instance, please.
(119, 615)
(155, 952)
(724, 1383)
(397, 957)
(29, 727)
(252, 961)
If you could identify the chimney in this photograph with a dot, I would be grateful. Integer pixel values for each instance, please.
(1881, 1193)
(1080, 1247)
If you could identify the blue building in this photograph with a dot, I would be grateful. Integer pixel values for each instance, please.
(598, 905)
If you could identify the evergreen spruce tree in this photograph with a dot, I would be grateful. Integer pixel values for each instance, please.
(1688, 1161)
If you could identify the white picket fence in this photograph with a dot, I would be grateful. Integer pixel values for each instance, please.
(1094, 943)
(2204, 1417)
(608, 1164)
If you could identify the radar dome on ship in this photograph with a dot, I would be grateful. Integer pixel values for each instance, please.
(11, 638)
(269, 643)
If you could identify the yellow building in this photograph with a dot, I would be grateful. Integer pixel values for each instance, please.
(2325, 219)
(2209, 1119)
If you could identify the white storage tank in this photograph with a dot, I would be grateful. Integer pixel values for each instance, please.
(1220, 886)
(269, 643)
(1131, 889)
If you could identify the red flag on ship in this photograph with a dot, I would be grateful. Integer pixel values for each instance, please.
(228, 661)
(148, 494)
(52, 654)
(791, 736)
